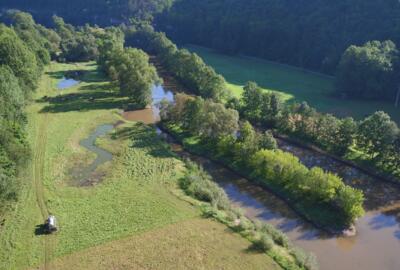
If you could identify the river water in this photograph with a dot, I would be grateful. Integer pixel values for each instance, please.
(377, 243)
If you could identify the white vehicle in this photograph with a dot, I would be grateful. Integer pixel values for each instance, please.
(51, 224)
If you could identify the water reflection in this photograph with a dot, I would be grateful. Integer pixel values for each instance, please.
(150, 115)
(65, 83)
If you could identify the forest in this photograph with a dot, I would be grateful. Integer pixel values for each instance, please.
(327, 36)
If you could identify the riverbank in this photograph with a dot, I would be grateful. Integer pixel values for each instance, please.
(319, 215)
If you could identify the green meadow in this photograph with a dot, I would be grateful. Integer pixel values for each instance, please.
(294, 84)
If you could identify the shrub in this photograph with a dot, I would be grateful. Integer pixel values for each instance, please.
(279, 237)
(263, 242)
(198, 184)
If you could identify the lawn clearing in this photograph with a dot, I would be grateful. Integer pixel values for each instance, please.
(194, 244)
(293, 83)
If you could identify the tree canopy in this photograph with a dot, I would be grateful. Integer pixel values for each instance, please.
(369, 71)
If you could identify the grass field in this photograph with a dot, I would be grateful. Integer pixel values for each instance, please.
(133, 209)
(293, 83)
(200, 243)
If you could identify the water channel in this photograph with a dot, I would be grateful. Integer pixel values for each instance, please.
(377, 243)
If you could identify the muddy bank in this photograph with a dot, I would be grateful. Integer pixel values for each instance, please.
(91, 175)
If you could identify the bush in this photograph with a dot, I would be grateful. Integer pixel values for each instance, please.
(279, 237)
(198, 184)
(263, 242)
(305, 260)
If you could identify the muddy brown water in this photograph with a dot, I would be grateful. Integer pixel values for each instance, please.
(377, 243)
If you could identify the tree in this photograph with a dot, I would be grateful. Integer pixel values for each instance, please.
(345, 136)
(252, 98)
(28, 31)
(217, 121)
(22, 61)
(267, 141)
(12, 99)
(376, 134)
(136, 76)
(369, 71)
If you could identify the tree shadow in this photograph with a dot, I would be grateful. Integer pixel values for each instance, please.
(87, 76)
(85, 101)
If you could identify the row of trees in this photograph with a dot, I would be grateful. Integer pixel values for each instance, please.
(24, 50)
(129, 68)
(377, 136)
(187, 67)
(256, 153)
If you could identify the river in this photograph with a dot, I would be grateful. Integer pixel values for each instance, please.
(377, 243)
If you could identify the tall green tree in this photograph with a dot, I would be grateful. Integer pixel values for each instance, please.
(369, 71)
(22, 61)
(136, 76)
(376, 134)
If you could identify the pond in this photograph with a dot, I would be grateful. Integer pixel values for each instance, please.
(65, 83)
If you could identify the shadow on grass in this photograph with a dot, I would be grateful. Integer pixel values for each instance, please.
(144, 137)
(85, 101)
(41, 230)
(87, 76)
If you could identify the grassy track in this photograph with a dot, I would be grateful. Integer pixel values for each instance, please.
(135, 200)
(293, 83)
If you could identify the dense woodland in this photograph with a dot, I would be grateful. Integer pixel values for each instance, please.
(80, 12)
(310, 34)
(305, 33)
(24, 51)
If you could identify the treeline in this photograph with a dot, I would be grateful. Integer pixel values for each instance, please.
(80, 12)
(311, 34)
(24, 51)
(376, 137)
(187, 67)
(321, 196)
(316, 34)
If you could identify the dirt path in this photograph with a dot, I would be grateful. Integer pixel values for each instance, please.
(38, 174)
(39, 161)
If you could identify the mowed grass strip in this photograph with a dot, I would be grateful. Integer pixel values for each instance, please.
(294, 84)
(193, 244)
